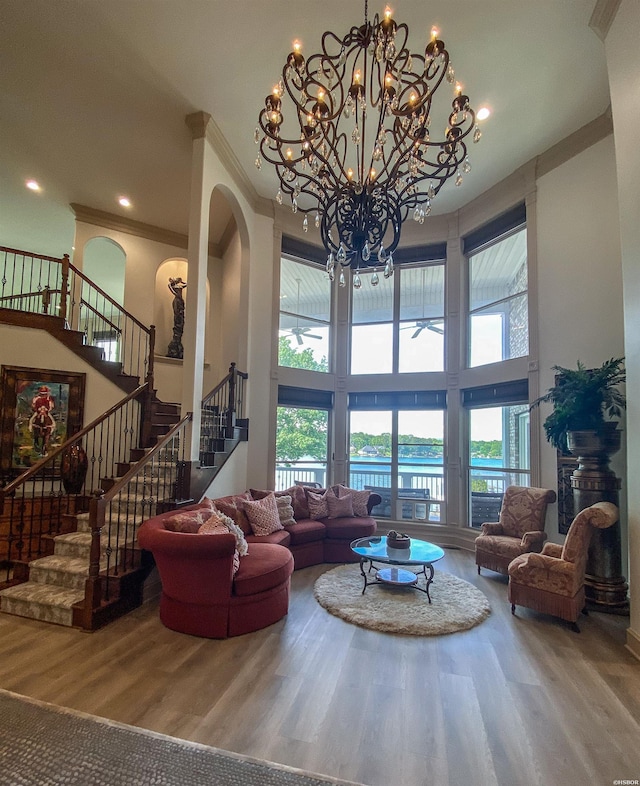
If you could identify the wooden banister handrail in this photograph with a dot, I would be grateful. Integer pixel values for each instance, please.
(7, 250)
(29, 294)
(108, 297)
(83, 302)
(148, 457)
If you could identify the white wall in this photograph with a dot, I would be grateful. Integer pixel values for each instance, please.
(37, 349)
(623, 64)
(149, 263)
(579, 280)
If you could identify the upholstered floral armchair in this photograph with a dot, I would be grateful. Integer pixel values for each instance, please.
(553, 581)
(519, 530)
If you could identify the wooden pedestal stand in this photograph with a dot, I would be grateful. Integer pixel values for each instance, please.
(593, 481)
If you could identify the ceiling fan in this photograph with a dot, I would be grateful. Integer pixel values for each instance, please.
(429, 324)
(434, 324)
(300, 332)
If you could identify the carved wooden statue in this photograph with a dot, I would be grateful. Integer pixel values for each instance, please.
(175, 349)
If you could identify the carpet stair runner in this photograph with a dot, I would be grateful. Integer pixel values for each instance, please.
(57, 582)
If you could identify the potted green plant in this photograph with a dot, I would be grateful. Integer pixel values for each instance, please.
(585, 400)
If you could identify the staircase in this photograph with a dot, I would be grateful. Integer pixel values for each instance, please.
(56, 584)
(52, 587)
(71, 556)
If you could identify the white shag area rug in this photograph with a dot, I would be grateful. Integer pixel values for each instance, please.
(455, 604)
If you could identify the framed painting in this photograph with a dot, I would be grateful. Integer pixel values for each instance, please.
(40, 410)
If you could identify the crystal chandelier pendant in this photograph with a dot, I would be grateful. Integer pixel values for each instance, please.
(279, 197)
(330, 262)
(367, 178)
(374, 279)
(357, 281)
(342, 281)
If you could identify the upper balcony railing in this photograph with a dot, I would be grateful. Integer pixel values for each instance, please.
(52, 286)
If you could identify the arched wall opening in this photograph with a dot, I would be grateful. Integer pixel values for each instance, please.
(228, 268)
(163, 300)
(104, 262)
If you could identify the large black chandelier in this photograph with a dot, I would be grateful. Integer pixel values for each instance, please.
(360, 151)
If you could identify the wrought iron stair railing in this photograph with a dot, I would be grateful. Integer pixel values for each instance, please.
(122, 482)
(222, 411)
(156, 482)
(34, 504)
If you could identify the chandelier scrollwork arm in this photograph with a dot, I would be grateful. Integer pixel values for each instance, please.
(357, 144)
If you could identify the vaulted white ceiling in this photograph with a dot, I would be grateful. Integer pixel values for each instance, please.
(93, 95)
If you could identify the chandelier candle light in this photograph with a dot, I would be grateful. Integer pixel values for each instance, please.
(360, 151)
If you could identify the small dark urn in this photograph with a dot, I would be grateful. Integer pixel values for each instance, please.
(594, 481)
(73, 468)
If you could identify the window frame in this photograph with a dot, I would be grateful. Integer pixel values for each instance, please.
(422, 258)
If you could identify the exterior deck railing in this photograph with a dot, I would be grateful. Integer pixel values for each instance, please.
(420, 496)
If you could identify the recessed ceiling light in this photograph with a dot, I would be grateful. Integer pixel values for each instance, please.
(483, 113)
(124, 201)
(33, 185)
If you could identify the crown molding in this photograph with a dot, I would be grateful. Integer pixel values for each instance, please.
(203, 125)
(197, 123)
(575, 143)
(116, 223)
(101, 218)
(602, 17)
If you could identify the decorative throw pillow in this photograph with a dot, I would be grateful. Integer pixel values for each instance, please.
(339, 507)
(359, 500)
(263, 515)
(318, 507)
(214, 526)
(285, 510)
(299, 502)
(241, 542)
(233, 506)
(188, 520)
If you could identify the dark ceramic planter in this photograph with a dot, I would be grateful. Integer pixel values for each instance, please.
(73, 468)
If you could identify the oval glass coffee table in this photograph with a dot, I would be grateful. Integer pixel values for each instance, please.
(373, 550)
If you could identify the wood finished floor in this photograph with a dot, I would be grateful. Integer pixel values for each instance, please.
(513, 701)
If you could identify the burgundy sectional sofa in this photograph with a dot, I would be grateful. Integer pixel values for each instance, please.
(202, 595)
